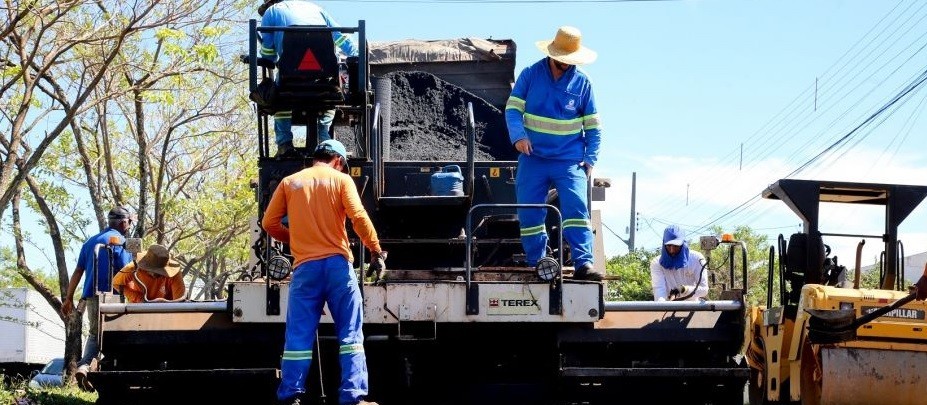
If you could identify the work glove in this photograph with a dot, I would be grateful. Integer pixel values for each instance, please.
(921, 286)
(377, 266)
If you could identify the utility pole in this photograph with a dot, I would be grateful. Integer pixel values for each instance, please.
(631, 227)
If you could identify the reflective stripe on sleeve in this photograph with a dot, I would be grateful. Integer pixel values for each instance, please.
(591, 121)
(515, 103)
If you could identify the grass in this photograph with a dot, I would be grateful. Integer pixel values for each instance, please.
(17, 392)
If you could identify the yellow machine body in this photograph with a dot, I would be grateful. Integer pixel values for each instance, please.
(879, 367)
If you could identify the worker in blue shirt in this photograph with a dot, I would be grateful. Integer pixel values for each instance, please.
(284, 13)
(100, 258)
(553, 122)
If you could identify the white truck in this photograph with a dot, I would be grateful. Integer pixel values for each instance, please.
(32, 332)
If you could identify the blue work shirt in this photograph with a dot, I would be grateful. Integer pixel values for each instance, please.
(297, 12)
(558, 117)
(103, 280)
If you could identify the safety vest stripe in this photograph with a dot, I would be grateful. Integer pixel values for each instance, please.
(534, 230)
(297, 355)
(552, 126)
(268, 51)
(515, 103)
(576, 223)
(351, 349)
(591, 121)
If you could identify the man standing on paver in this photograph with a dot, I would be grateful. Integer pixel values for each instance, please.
(553, 122)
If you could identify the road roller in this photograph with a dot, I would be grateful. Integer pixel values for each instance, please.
(822, 338)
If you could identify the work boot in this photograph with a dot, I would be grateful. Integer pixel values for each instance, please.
(286, 150)
(81, 376)
(585, 272)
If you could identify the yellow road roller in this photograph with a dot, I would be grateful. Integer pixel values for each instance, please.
(821, 338)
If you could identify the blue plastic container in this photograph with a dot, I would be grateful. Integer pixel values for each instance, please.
(447, 182)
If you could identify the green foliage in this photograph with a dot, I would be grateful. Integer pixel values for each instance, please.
(633, 272)
(214, 31)
(10, 71)
(18, 392)
(757, 248)
(9, 277)
(206, 52)
(168, 33)
(870, 278)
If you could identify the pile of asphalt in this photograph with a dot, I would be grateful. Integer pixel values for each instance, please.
(428, 122)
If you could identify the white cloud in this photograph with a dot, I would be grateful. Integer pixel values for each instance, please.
(717, 186)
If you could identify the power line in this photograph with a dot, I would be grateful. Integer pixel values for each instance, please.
(898, 97)
(778, 127)
(793, 107)
(833, 147)
(920, 80)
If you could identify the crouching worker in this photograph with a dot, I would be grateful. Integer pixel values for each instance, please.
(678, 274)
(151, 277)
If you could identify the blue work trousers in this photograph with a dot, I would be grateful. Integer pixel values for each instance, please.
(314, 283)
(532, 182)
(283, 126)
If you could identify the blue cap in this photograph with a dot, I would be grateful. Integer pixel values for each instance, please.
(335, 147)
(674, 235)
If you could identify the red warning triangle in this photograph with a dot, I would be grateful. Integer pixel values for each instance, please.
(309, 62)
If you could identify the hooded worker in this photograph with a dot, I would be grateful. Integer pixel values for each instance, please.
(678, 274)
(553, 122)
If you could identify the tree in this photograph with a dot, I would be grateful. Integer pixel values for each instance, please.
(633, 272)
(42, 88)
(152, 117)
(757, 253)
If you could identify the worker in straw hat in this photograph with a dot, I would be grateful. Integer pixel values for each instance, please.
(553, 122)
(159, 279)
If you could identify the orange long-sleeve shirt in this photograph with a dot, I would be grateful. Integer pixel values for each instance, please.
(316, 201)
(157, 286)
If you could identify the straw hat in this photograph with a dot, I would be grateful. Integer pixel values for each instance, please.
(566, 47)
(157, 260)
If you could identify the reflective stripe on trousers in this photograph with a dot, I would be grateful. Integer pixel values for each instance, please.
(314, 283)
(532, 181)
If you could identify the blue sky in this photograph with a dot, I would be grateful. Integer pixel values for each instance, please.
(681, 85)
